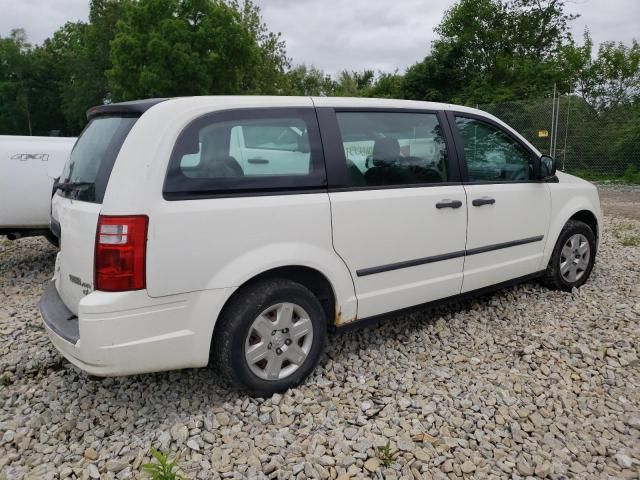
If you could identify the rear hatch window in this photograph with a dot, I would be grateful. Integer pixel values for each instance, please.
(86, 174)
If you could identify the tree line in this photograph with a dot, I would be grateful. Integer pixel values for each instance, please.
(486, 51)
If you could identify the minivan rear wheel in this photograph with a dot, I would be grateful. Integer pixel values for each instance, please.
(270, 336)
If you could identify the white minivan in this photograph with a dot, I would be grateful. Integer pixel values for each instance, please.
(241, 229)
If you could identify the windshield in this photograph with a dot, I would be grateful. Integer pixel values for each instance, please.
(87, 171)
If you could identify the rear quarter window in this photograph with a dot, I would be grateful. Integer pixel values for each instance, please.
(249, 151)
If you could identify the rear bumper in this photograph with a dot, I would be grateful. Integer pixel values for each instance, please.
(57, 317)
(130, 332)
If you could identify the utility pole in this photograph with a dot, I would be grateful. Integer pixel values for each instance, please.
(555, 136)
(566, 133)
(553, 120)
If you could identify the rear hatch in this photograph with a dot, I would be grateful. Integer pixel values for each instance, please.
(78, 200)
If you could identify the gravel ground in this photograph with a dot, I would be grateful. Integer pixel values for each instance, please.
(620, 200)
(523, 383)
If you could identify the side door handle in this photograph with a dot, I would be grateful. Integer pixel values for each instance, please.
(448, 204)
(258, 160)
(478, 202)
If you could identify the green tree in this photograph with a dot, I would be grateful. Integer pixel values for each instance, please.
(270, 62)
(29, 94)
(493, 50)
(14, 114)
(387, 85)
(354, 84)
(578, 64)
(193, 47)
(82, 52)
(45, 89)
(617, 69)
(311, 81)
(437, 78)
(608, 79)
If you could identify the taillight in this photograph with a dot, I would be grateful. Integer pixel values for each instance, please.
(121, 251)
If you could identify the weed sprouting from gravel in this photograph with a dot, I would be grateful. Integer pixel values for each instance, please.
(57, 364)
(164, 469)
(385, 455)
(6, 379)
(37, 368)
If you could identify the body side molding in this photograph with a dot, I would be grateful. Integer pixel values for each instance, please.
(445, 256)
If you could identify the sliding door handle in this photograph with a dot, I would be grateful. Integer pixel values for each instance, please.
(449, 204)
(478, 202)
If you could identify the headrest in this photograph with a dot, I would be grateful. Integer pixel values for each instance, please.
(386, 149)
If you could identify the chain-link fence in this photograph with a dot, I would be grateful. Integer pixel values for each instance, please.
(584, 140)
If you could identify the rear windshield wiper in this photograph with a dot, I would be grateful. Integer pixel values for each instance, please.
(69, 186)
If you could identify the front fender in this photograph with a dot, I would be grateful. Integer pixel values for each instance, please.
(566, 201)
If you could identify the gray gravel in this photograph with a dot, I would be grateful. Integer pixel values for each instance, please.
(523, 383)
(617, 187)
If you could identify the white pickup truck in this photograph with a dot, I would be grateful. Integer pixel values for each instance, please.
(28, 167)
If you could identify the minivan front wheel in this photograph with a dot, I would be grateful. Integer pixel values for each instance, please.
(573, 257)
(270, 336)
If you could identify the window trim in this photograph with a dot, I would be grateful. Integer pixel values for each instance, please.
(459, 142)
(336, 161)
(278, 184)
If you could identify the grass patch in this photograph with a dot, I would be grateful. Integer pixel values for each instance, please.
(631, 241)
(630, 176)
(627, 235)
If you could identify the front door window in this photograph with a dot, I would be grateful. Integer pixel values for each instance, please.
(491, 154)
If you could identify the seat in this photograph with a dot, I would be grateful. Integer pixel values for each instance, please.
(386, 150)
(225, 166)
(356, 177)
(385, 159)
(215, 161)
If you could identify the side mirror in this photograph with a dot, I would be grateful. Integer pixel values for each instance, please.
(547, 167)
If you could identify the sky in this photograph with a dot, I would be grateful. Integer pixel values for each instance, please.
(384, 35)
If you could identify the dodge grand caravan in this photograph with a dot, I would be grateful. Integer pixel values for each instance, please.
(240, 229)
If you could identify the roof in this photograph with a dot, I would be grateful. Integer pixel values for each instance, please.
(141, 106)
(183, 109)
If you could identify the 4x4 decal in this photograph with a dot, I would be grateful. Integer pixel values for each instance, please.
(23, 157)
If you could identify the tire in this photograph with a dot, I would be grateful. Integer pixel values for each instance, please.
(559, 274)
(240, 334)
